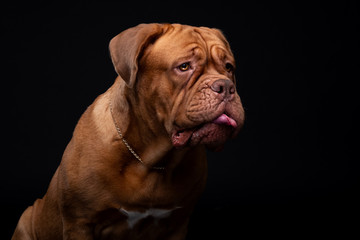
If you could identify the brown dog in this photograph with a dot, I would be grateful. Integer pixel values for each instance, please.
(136, 163)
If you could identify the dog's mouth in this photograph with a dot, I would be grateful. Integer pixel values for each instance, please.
(212, 134)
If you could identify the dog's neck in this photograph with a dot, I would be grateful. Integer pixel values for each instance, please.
(153, 152)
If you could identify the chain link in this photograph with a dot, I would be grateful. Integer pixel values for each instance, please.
(126, 142)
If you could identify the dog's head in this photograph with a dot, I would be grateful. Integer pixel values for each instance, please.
(185, 76)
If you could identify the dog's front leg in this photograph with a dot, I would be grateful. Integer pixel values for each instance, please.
(181, 231)
(77, 230)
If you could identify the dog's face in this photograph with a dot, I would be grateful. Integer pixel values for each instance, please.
(186, 77)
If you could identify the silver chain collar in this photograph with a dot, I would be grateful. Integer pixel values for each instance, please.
(126, 142)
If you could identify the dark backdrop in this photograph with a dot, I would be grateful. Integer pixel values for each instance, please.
(292, 171)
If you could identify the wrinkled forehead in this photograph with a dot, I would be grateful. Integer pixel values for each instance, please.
(180, 39)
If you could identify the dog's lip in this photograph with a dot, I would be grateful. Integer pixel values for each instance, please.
(182, 137)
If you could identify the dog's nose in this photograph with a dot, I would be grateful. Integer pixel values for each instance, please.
(224, 87)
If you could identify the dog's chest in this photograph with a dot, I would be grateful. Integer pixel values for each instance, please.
(129, 224)
(156, 214)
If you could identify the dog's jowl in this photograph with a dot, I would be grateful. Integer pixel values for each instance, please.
(136, 163)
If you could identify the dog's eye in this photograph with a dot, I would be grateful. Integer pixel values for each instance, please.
(184, 67)
(229, 67)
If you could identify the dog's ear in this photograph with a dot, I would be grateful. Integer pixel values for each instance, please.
(127, 47)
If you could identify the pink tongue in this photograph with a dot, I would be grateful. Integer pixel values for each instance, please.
(225, 119)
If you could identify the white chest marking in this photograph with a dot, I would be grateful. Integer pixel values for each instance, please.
(134, 216)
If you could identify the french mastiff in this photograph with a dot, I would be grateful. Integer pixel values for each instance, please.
(136, 163)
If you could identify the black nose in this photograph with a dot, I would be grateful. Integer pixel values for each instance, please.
(223, 87)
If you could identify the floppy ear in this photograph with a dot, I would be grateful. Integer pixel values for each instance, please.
(126, 47)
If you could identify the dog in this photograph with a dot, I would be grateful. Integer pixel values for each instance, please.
(136, 163)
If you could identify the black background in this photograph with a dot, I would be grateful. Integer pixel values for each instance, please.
(293, 170)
